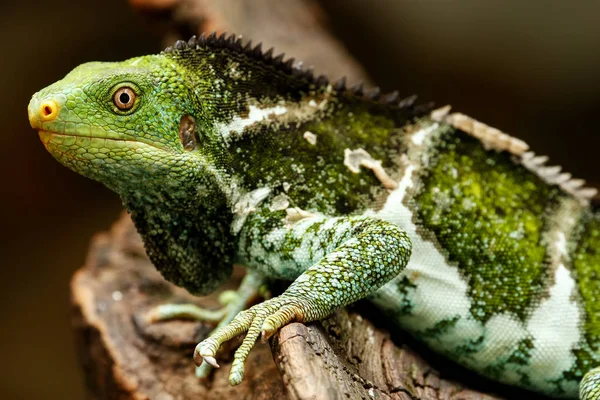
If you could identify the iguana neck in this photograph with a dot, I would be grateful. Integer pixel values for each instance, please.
(185, 229)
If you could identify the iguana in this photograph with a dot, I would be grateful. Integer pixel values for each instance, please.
(226, 154)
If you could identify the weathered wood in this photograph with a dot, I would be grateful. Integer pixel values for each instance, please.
(125, 358)
(348, 357)
(344, 356)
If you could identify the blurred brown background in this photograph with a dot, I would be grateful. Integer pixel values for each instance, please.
(529, 68)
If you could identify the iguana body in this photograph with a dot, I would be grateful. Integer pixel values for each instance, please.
(224, 154)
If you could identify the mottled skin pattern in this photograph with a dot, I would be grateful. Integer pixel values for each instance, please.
(226, 155)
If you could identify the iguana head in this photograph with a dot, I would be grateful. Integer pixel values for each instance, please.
(131, 126)
(119, 123)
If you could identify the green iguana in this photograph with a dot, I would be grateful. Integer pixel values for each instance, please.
(225, 154)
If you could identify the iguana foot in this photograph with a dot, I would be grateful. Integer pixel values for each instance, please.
(233, 303)
(263, 319)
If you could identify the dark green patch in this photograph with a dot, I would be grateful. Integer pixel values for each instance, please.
(586, 262)
(292, 242)
(488, 214)
(470, 347)
(522, 353)
(318, 178)
(404, 306)
(439, 328)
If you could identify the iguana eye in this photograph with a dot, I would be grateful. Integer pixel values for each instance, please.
(124, 98)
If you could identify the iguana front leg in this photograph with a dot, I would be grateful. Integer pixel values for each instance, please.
(337, 261)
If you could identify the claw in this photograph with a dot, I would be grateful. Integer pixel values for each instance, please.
(263, 337)
(199, 359)
(266, 334)
(201, 353)
(211, 361)
(269, 329)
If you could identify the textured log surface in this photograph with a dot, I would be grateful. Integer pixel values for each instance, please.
(125, 358)
(344, 356)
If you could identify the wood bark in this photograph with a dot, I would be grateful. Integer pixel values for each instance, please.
(344, 356)
(123, 356)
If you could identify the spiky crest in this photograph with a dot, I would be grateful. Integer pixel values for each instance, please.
(290, 66)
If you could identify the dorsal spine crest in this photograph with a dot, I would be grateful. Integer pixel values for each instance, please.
(290, 66)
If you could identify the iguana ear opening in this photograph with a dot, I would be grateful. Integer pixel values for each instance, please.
(188, 132)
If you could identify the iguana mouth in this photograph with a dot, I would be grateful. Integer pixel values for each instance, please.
(47, 136)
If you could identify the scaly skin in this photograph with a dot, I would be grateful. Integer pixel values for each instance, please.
(224, 155)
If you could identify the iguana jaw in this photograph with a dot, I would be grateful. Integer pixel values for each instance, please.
(47, 137)
(106, 159)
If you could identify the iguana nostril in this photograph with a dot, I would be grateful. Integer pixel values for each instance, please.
(48, 110)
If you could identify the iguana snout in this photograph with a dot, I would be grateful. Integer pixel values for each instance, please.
(45, 110)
